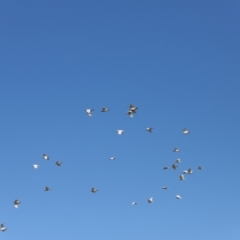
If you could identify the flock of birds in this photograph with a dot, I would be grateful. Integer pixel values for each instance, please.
(132, 110)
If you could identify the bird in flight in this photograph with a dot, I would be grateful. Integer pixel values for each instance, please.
(112, 158)
(149, 129)
(181, 177)
(150, 200)
(185, 131)
(200, 168)
(94, 190)
(174, 166)
(165, 168)
(45, 157)
(3, 228)
(36, 166)
(47, 189)
(164, 187)
(89, 112)
(190, 171)
(134, 203)
(120, 132)
(178, 160)
(176, 150)
(16, 203)
(178, 197)
(104, 109)
(58, 163)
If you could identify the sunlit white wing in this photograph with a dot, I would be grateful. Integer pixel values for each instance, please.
(178, 197)
(134, 203)
(150, 200)
(120, 132)
(185, 131)
(149, 129)
(185, 172)
(181, 177)
(3, 228)
(176, 150)
(130, 113)
(112, 158)
(178, 160)
(45, 157)
(89, 112)
(36, 166)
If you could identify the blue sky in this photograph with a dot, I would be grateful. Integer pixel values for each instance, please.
(178, 61)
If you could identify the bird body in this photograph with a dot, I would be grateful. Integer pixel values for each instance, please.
(16, 203)
(45, 157)
(36, 166)
(149, 129)
(104, 109)
(150, 200)
(185, 131)
(134, 203)
(178, 160)
(58, 163)
(164, 187)
(174, 166)
(89, 112)
(112, 158)
(120, 132)
(3, 228)
(176, 150)
(181, 177)
(47, 189)
(178, 197)
(94, 190)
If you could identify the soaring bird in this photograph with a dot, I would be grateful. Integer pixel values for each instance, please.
(200, 168)
(150, 200)
(35, 166)
(45, 157)
(165, 168)
(58, 163)
(185, 172)
(104, 109)
(16, 203)
(149, 129)
(3, 228)
(112, 158)
(130, 113)
(174, 166)
(47, 189)
(89, 112)
(178, 197)
(181, 177)
(120, 132)
(134, 203)
(185, 131)
(178, 160)
(190, 171)
(164, 187)
(133, 108)
(176, 150)
(94, 190)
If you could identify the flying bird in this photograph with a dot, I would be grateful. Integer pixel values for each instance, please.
(176, 150)
(185, 131)
(47, 189)
(150, 200)
(94, 190)
(58, 163)
(16, 203)
(174, 166)
(178, 160)
(181, 177)
(134, 203)
(133, 108)
(45, 157)
(130, 113)
(200, 168)
(178, 197)
(164, 187)
(190, 171)
(35, 166)
(112, 158)
(3, 228)
(149, 129)
(120, 132)
(89, 112)
(105, 109)
(165, 168)
(185, 172)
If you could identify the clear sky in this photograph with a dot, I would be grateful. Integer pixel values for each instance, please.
(178, 61)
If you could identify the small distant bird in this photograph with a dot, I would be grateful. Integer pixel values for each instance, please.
(190, 171)
(105, 109)
(3, 228)
(130, 113)
(178, 197)
(165, 187)
(181, 177)
(174, 166)
(58, 163)
(112, 158)
(89, 112)
(149, 129)
(178, 160)
(94, 190)
(134, 203)
(185, 172)
(150, 200)
(133, 108)
(45, 157)
(165, 168)
(120, 132)
(200, 168)
(176, 150)
(16, 203)
(185, 131)
(35, 166)
(47, 189)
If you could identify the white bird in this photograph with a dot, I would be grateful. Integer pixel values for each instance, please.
(200, 168)
(130, 113)
(178, 160)
(185, 131)
(134, 203)
(165, 168)
(45, 157)
(112, 158)
(174, 166)
(181, 177)
(164, 187)
(94, 190)
(47, 189)
(58, 163)
(190, 171)
(150, 200)
(105, 109)
(176, 150)
(178, 197)
(185, 172)
(120, 132)
(149, 129)
(16, 203)
(89, 112)
(133, 108)
(36, 166)
(3, 228)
